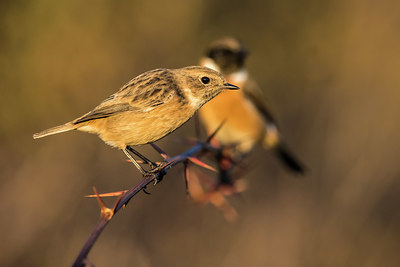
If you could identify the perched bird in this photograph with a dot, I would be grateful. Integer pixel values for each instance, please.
(244, 113)
(148, 108)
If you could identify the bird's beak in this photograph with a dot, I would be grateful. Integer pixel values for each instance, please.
(230, 86)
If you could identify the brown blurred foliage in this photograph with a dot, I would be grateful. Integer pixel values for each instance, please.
(330, 70)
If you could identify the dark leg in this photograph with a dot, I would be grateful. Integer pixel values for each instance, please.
(142, 171)
(146, 160)
(154, 167)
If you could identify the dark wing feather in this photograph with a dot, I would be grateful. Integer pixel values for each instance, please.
(104, 112)
(253, 92)
(141, 94)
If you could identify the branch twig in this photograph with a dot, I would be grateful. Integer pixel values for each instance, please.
(107, 214)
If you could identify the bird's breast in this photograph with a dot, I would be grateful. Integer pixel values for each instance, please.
(137, 128)
(241, 119)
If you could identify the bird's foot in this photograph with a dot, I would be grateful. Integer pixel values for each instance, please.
(156, 169)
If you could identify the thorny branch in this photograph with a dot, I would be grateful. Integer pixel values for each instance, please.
(194, 185)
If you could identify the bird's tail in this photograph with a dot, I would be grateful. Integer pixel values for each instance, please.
(288, 159)
(273, 141)
(55, 130)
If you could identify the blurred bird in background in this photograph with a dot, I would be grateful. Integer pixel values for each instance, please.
(244, 113)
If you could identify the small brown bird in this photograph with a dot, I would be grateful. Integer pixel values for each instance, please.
(148, 108)
(247, 121)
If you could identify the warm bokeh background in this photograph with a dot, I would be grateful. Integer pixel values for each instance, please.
(330, 70)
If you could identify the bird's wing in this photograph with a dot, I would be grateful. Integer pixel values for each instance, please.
(104, 112)
(141, 94)
(253, 92)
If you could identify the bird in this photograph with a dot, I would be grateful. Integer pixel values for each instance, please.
(147, 108)
(246, 118)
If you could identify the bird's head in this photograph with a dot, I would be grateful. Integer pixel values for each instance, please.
(201, 84)
(226, 55)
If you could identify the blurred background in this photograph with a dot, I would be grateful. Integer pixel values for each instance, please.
(330, 70)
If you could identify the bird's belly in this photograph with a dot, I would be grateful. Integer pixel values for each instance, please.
(134, 128)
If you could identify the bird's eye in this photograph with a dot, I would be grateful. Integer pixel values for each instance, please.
(205, 80)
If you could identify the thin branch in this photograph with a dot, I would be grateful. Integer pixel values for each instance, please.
(159, 150)
(127, 196)
(188, 156)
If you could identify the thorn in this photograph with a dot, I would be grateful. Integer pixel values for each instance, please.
(105, 212)
(144, 191)
(216, 131)
(186, 176)
(200, 163)
(88, 263)
(117, 202)
(111, 194)
(138, 161)
(159, 150)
